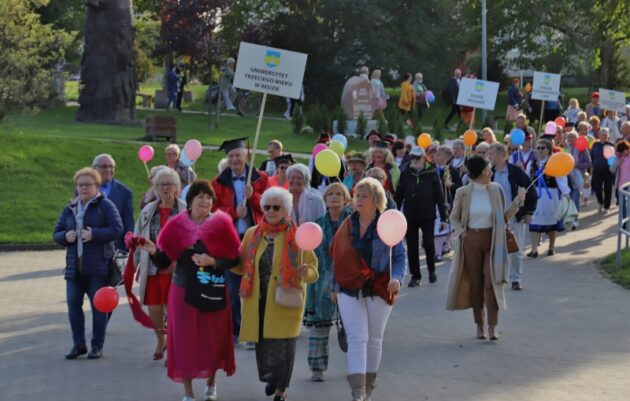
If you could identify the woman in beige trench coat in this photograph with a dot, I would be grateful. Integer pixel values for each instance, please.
(480, 281)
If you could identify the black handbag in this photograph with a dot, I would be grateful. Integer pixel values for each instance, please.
(341, 333)
(205, 289)
(115, 270)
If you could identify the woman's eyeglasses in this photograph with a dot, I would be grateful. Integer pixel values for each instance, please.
(85, 185)
(275, 208)
(541, 148)
(416, 157)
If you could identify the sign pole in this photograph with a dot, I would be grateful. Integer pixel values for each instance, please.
(260, 117)
(216, 122)
(542, 111)
(472, 119)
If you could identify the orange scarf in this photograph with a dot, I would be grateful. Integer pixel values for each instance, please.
(288, 271)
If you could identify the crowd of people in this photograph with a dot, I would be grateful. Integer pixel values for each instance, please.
(237, 232)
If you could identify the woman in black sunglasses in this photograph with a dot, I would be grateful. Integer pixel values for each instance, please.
(274, 269)
(550, 190)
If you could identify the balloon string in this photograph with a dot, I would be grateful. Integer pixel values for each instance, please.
(146, 168)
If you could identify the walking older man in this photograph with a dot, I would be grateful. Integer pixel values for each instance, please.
(241, 200)
(117, 192)
(512, 180)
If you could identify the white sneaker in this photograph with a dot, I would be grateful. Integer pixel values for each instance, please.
(231, 109)
(606, 211)
(211, 393)
(188, 398)
(250, 346)
(287, 116)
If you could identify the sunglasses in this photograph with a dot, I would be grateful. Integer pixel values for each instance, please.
(541, 148)
(276, 208)
(416, 157)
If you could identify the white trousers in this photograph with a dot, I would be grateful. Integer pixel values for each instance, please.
(364, 320)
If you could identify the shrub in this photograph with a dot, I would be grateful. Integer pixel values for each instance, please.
(297, 121)
(342, 121)
(382, 123)
(313, 118)
(361, 125)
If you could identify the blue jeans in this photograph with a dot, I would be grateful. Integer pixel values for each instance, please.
(172, 99)
(575, 196)
(75, 293)
(234, 284)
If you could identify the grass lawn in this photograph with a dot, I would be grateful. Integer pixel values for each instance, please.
(620, 276)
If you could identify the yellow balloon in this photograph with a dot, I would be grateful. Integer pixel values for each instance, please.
(336, 147)
(327, 163)
(424, 140)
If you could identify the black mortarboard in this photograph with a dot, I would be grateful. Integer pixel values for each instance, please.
(231, 144)
(284, 159)
(380, 144)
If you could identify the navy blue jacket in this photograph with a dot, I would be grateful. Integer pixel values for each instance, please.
(122, 197)
(103, 218)
(518, 178)
(514, 96)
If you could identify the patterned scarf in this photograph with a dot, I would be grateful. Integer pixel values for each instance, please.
(288, 273)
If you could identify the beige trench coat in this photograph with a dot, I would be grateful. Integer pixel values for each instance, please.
(142, 259)
(458, 290)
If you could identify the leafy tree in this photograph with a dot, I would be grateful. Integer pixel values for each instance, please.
(361, 125)
(31, 51)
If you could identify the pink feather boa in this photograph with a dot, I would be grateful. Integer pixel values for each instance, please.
(217, 234)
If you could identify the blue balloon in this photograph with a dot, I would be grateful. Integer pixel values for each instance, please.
(612, 160)
(517, 137)
(184, 160)
(184, 192)
(342, 139)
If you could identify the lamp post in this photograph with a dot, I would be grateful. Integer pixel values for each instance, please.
(484, 54)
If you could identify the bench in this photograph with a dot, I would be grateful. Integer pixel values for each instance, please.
(161, 127)
(147, 100)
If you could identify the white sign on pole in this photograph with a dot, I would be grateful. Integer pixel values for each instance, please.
(546, 86)
(612, 100)
(269, 70)
(477, 93)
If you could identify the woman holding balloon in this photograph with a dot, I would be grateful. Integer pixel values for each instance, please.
(275, 273)
(155, 283)
(578, 148)
(320, 307)
(602, 180)
(181, 162)
(370, 262)
(551, 189)
(87, 228)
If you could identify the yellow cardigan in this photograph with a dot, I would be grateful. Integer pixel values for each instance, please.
(280, 322)
(407, 97)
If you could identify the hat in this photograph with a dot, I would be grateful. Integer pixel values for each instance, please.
(417, 151)
(355, 156)
(595, 95)
(475, 166)
(284, 159)
(391, 138)
(529, 133)
(380, 144)
(373, 132)
(231, 144)
(324, 137)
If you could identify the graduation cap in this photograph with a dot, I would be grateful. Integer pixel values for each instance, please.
(373, 132)
(284, 159)
(231, 144)
(380, 144)
(324, 137)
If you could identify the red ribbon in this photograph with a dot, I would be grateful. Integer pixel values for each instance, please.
(138, 313)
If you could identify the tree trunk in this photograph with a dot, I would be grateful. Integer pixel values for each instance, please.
(107, 93)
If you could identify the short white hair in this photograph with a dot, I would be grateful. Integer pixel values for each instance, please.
(103, 156)
(154, 170)
(604, 130)
(172, 146)
(302, 169)
(167, 172)
(223, 163)
(280, 193)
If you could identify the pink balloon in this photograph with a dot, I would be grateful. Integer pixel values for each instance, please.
(318, 148)
(551, 128)
(391, 227)
(309, 236)
(609, 152)
(193, 149)
(145, 153)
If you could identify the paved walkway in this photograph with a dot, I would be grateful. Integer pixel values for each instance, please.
(565, 337)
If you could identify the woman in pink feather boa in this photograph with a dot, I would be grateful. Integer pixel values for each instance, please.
(204, 246)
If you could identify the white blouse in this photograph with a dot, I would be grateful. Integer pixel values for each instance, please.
(480, 207)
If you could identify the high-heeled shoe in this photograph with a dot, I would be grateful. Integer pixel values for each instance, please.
(481, 332)
(532, 254)
(492, 332)
(159, 355)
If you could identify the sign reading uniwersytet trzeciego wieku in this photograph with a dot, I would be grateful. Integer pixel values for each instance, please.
(269, 70)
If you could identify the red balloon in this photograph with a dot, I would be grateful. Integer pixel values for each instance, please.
(106, 299)
(560, 121)
(581, 144)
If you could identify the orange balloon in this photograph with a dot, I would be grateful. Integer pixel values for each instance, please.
(470, 137)
(559, 165)
(424, 140)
